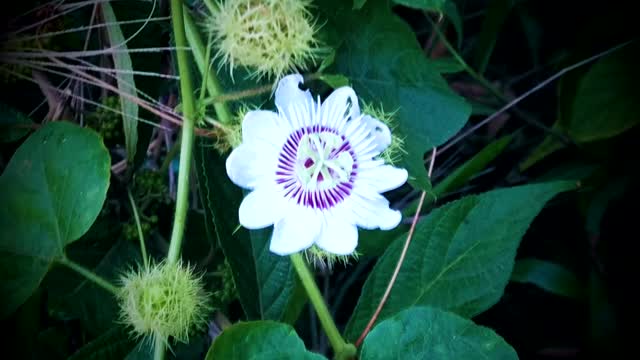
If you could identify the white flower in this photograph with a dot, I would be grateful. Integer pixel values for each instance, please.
(314, 171)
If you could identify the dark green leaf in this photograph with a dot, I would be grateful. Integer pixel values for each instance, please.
(461, 255)
(386, 64)
(113, 344)
(375, 242)
(51, 192)
(265, 281)
(259, 340)
(548, 276)
(606, 103)
(13, 124)
(434, 334)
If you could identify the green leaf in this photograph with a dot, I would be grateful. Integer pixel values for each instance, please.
(496, 14)
(113, 344)
(125, 79)
(265, 282)
(51, 192)
(375, 242)
(606, 104)
(547, 276)
(386, 65)
(13, 124)
(259, 340)
(461, 255)
(434, 334)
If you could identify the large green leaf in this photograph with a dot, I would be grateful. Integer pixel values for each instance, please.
(383, 59)
(259, 340)
(434, 334)
(461, 255)
(51, 192)
(265, 281)
(125, 79)
(606, 104)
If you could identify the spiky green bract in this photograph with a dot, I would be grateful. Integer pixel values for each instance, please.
(393, 153)
(321, 259)
(164, 300)
(268, 37)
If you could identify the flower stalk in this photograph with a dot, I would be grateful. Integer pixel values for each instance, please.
(90, 275)
(186, 147)
(188, 125)
(340, 347)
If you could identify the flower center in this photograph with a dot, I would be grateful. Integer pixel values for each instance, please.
(316, 167)
(324, 163)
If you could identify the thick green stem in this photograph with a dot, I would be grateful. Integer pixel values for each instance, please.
(341, 349)
(186, 147)
(199, 54)
(90, 275)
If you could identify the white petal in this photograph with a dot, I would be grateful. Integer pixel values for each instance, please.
(383, 177)
(339, 107)
(338, 236)
(261, 208)
(250, 164)
(297, 231)
(288, 94)
(371, 210)
(380, 131)
(264, 125)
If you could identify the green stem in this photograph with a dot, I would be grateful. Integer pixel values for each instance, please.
(199, 54)
(90, 275)
(341, 349)
(159, 352)
(186, 147)
(143, 248)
